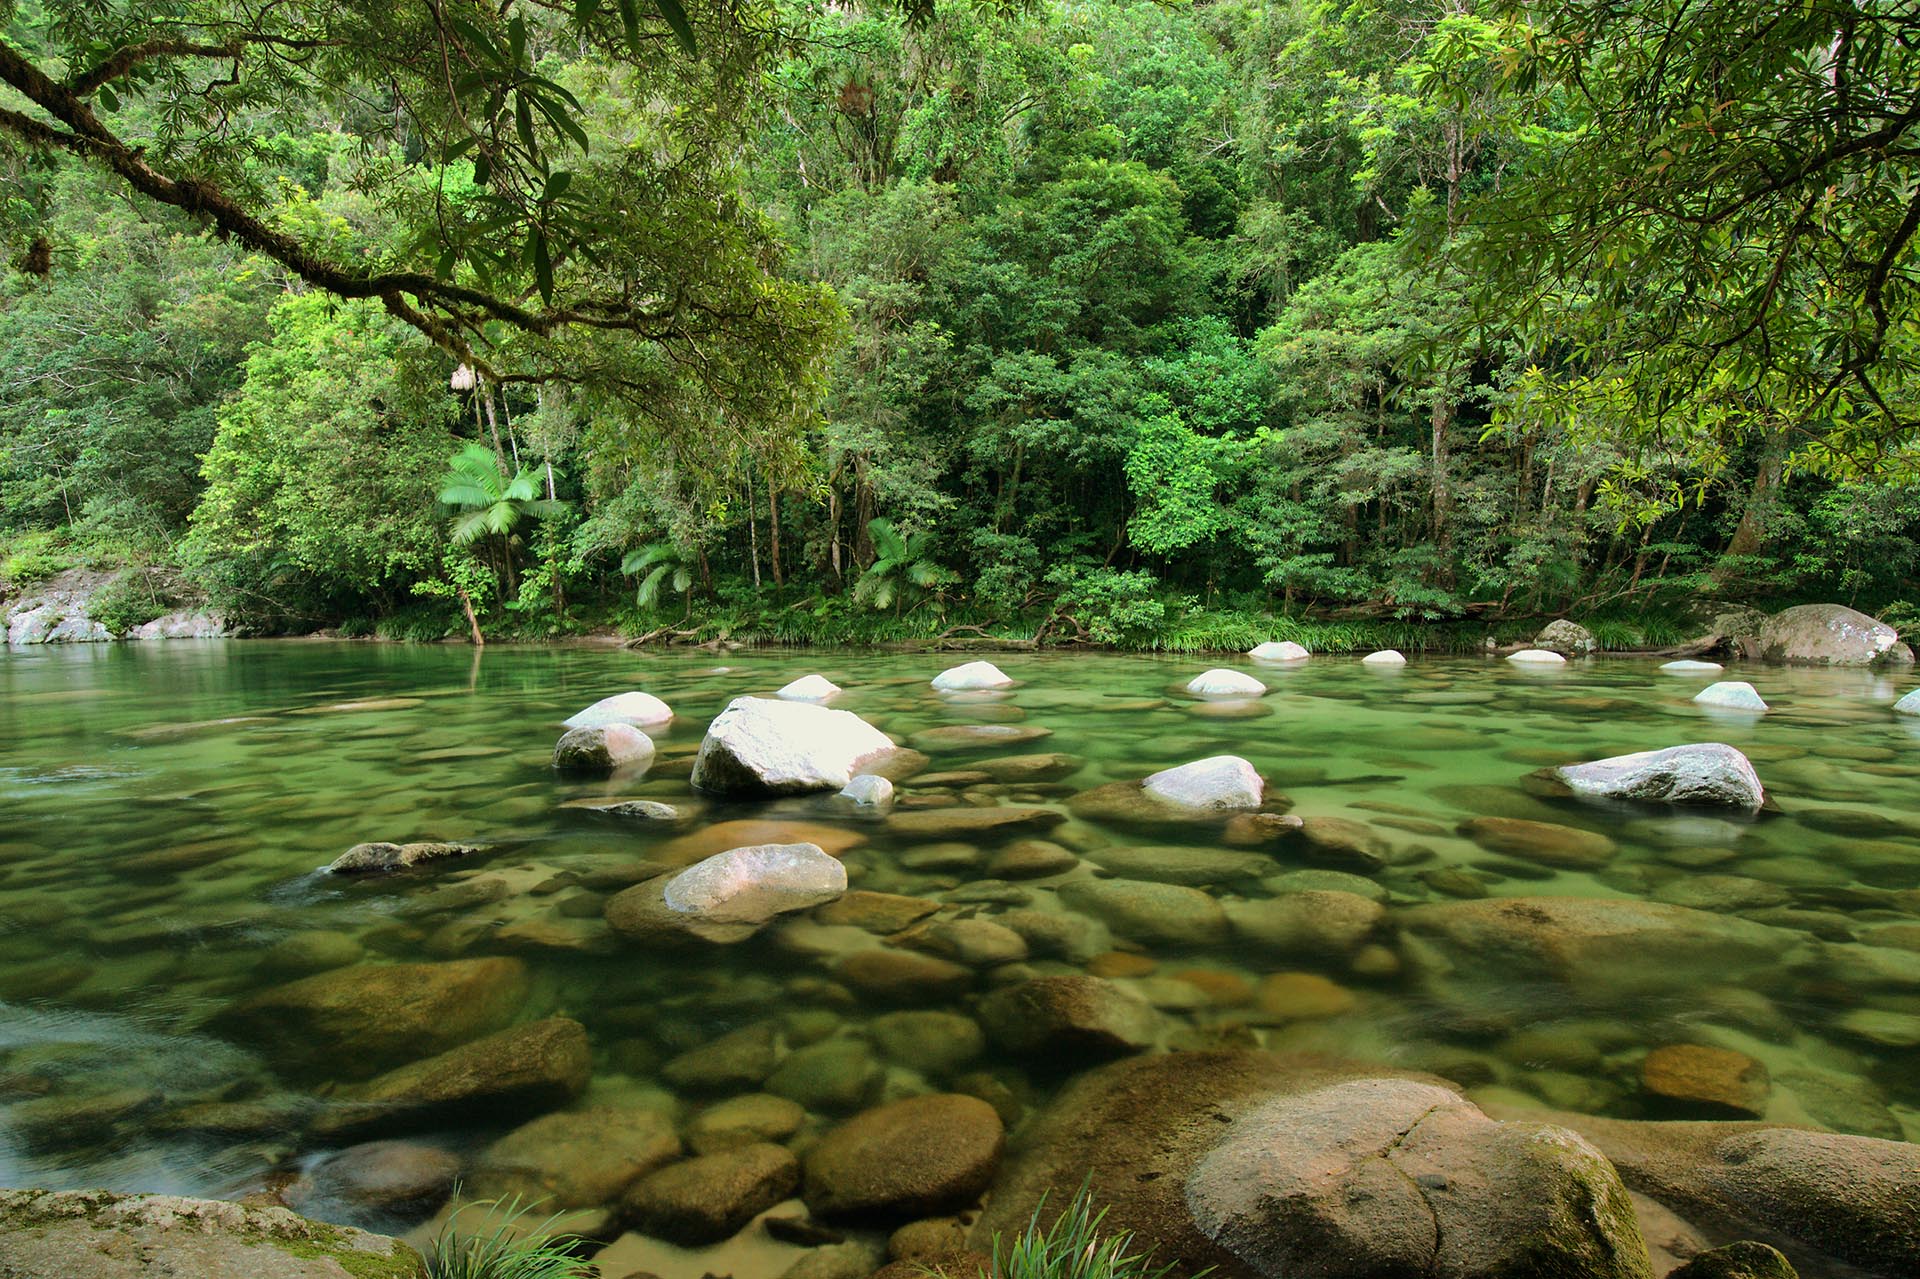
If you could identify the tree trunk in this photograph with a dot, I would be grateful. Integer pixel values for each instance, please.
(1443, 409)
(753, 535)
(773, 531)
(1750, 534)
(833, 527)
(479, 640)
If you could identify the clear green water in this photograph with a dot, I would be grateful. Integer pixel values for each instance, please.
(164, 809)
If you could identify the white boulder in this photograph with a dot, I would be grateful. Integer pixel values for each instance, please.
(1689, 667)
(869, 790)
(971, 675)
(622, 708)
(1281, 651)
(1732, 694)
(1537, 657)
(1385, 657)
(809, 688)
(1910, 704)
(753, 884)
(601, 749)
(1698, 773)
(1221, 781)
(1225, 683)
(762, 746)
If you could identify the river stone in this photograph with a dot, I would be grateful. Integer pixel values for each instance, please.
(930, 1041)
(971, 675)
(718, 837)
(1031, 859)
(1611, 948)
(1067, 1020)
(1015, 770)
(708, 1198)
(1225, 683)
(1880, 1027)
(1536, 657)
(512, 1075)
(1732, 694)
(737, 1061)
(743, 1121)
(977, 943)
(360, 1019)
(1157, 914)
(1543, 842)
(1379, 1177)
(1181, 864)
(808, 688)
(1219, 782)
(1302, 997)
(761, 746)
(1385, 657)
(1344, 844)
(1280, 651)
(575, 1158)
(1057, 934)
(972, 823)
(1688, 667)
(395, 1178)
(976, 737)
(1827, 635)
(1306, 924)
(640, 709)
(907, 1159)
(869, 791)
(601, 750)
(1746, 1259)
(96, 1234)
(752, 885)
(1910, 704)
(1563, 636)
(312, 950)
(875, 912)
(1706, 1079)
(1701, 773)
(378, 858)
(834, 1076)
(1721, 893)
(902, 976)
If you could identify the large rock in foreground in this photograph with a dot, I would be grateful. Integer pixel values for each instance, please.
(600, 749)
(1709, 773)
(1219, 782)
(93, 1234)
(1390, 1177)
(752, 885)
(1828, 635)
(761, 746)
(915, 1158)
(358, 1020)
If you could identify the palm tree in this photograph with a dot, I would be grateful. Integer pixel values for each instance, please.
(661, 562)
(489, 503)
(900, 565)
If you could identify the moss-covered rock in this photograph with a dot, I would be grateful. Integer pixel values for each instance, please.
(94, 1234)
(1743, 1260)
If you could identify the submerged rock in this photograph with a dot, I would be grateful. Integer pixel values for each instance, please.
(1379, 1177)
(869, 791)
(1225, 683)
(1281, 651)
(1706, 1079)
(378, 858)
(575, 1158)
(1318, 924)
(907, 1159)
(971, 675)
(601, 749)
(1060, 1021)
(752, 885)
(709, 1198)
(977, 737)
(1154, 913)
(1710, 773)
(759, 746)
(808, 688)
(1544, 842)
(1733, 694)
(973, 823)
(96, 1234)
(1828, 635)
(1218, 782)
(642, 709)
(398, 1178)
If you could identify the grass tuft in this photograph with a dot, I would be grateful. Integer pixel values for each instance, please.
(1073, 1247)
(501, 1247)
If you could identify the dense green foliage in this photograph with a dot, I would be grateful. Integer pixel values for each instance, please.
(1187, 325)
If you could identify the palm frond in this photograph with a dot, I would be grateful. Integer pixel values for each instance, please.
(469, 527)
(461, 492)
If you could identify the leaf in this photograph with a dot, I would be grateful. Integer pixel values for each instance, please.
(557, 183)
(676, 18)
(542, 267)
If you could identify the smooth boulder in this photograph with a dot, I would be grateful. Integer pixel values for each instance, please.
(1687, 666)
(869, 790)
(600, 749)
(1218, 782)
(751, 885)
(382, 858)
(1224, 683)
(808, 688)
(1537, 657)
(908, 1159)
(1391, 1177)
(1828, 635)
(1708, 773)
(971, 676)
(759, 746)
(1385, 657)
(709, 1198)
(1910, 704)
(1066, 1020)
(1279, 651)
(1731, 694)
(639, 709)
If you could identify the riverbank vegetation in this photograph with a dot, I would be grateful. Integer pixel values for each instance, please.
(1383, 323)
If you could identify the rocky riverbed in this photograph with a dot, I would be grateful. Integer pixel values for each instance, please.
(1369, 971)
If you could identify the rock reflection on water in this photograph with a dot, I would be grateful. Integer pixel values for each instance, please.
(191, 1007)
